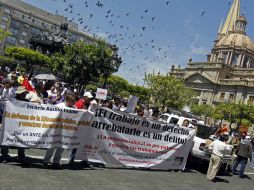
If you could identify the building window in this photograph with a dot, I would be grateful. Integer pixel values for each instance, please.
(35, 31)
(245, 62)
(11, 40)
(14, 32)
(235, 59)
(225, 55)
(22, 41)
(8, 11)
(222, 96)
(5, 19)
(251, 100)
(252, 65)
(26, 26)
(231, 97)
(15, 24)
(24, 34)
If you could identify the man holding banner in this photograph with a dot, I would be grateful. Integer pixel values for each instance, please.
(69, 103)
(21, 96)
(108, 136)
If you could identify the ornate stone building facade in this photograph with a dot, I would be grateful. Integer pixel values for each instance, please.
(25, 21)
(228, 73)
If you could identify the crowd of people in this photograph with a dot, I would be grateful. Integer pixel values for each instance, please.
(18, 86)
(242, 146)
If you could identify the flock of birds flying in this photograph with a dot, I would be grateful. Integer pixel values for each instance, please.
(132, 42)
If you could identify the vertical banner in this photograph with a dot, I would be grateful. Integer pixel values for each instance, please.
(124, 139)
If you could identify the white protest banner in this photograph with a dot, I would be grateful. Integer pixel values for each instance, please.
(42, 126)
(101, 94)
(124, 139)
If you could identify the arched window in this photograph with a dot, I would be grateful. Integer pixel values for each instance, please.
(245, 62)
(251, 63)
(235, 59)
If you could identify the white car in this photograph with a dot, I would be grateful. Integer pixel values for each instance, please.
(202, 139)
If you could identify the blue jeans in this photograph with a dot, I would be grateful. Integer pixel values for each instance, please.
(242, 161)
(252, 160)
(72, 154)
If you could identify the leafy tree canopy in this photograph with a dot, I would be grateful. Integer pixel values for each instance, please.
(170, 91)
(27, 58)
(3, 34)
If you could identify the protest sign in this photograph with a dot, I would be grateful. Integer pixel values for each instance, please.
(124, 139)
(101, 94)
(132, 103)
(42, 126)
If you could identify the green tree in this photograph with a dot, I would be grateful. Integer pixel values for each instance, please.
(141, 92)
(234, 113)
(202, 110)
(170, 91)
(80, 66)
(57, 63)
(3, 34)
(116, 85)
(27, 58)
(7, 62)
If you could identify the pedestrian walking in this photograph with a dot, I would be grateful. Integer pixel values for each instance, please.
(243, 152)
(252, 161)
(219, 148)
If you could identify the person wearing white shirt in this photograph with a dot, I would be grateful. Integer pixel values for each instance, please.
(219, 148)
(6, 93)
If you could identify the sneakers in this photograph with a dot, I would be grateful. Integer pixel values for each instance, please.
(85, 164)
(5, 159)
(71, 163)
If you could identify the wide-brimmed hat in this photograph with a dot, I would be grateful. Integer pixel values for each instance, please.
(21, 89)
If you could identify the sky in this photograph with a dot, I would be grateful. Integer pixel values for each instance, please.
(152, 35)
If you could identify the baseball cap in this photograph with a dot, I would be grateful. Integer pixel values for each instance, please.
(88, 94)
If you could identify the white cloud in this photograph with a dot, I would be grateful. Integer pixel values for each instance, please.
(196, 48)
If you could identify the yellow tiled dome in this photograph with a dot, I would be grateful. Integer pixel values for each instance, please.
(235, 40)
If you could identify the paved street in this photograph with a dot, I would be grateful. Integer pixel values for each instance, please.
(15, 177)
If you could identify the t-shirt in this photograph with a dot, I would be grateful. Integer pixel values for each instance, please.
(219, 148)
(80, 104)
